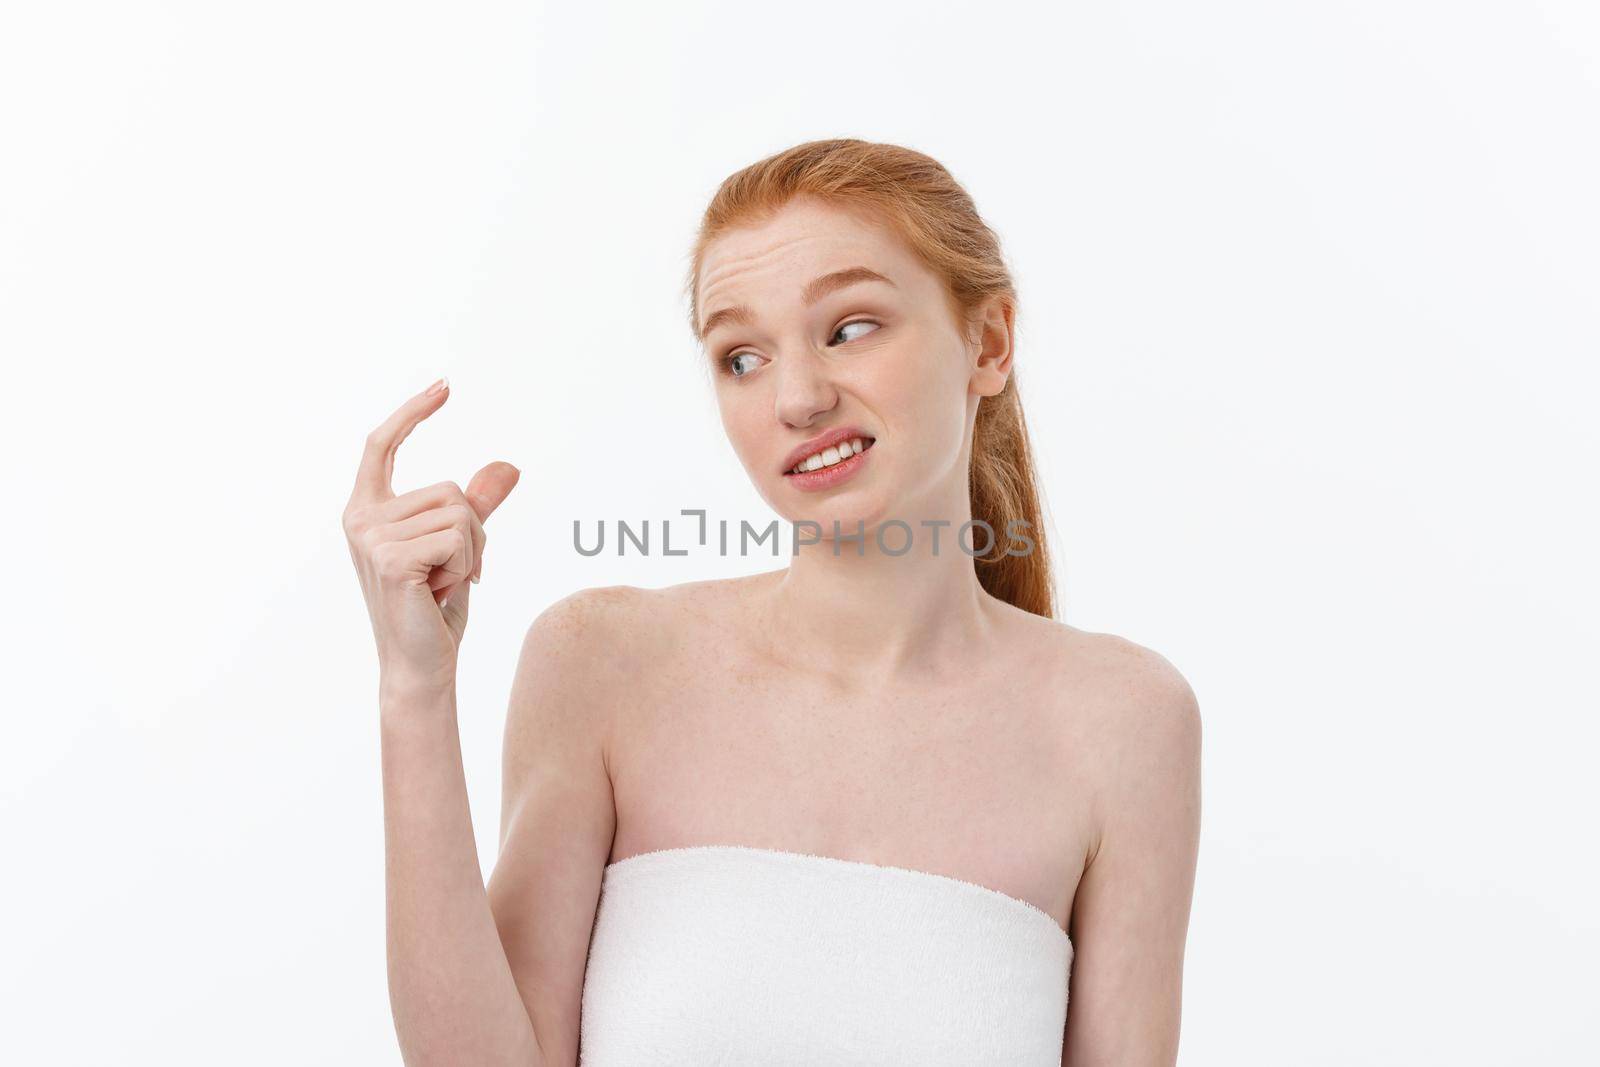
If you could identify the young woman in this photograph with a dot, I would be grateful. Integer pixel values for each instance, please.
(876, 807)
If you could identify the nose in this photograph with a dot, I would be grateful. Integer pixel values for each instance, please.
(804, 388)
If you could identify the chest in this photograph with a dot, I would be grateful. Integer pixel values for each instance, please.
(968, 778)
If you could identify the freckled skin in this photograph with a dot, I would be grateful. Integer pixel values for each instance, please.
(906, 378)
(870, 707)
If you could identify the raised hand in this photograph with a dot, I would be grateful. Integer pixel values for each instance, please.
(416, 552)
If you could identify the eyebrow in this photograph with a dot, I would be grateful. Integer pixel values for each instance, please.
(815, 290)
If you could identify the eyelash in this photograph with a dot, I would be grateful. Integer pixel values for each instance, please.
(726, 362)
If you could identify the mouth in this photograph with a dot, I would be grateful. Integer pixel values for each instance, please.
(834, 455)
(833, 466)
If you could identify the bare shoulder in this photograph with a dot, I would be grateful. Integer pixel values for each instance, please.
(1139, 732)
(573, 654)
(658, 622)
(1130, 683)
(605, 636)
(1103, 675)
(1124, 709)
(585, 615)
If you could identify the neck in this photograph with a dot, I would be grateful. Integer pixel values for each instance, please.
(868, 617)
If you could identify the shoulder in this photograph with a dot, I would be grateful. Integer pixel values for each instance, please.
(573, 653)
(1110, 679)
(585, 615)
(1133, 684)
(599, 651)
(617, 631)
(1124, 711)
(1140, 730)
(1107, 677)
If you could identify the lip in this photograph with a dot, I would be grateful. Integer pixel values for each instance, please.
(828, 477)
(821, 442)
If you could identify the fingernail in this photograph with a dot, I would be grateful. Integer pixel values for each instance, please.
(438, 387)
(474, 579)
(444, 603)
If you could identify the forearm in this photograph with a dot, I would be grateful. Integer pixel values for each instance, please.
(451, 990)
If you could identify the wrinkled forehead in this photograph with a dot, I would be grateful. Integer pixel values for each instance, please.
(765, 261)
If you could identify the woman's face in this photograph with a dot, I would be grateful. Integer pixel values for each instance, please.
(883, 359)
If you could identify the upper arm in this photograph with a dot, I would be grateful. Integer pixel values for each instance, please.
(1131, 913)
(557, 816)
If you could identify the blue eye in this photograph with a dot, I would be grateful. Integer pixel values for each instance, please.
(731, 363)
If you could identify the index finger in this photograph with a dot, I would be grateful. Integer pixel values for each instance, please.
(375, 476)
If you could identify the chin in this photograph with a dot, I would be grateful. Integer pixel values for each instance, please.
(848, 510)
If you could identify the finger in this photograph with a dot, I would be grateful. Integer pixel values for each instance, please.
(416, 501)
(428, 501)
(486, 491)
(375, 476)
(440, 558)
(452, 516)
(453, 601)
(490, 487)
(475, 537)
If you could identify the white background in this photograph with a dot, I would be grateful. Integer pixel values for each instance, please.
(1307, 339)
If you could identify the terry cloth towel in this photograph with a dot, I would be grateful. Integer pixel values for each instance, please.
(729, 954)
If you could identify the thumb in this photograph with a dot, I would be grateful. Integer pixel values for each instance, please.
(490, 486)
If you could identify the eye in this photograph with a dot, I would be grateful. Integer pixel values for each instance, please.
(731, 364)
(854, 322)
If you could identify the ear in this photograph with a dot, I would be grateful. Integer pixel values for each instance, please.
(991, 346)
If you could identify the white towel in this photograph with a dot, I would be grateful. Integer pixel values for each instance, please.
(728, 954)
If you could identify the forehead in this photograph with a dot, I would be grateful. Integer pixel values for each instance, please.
(804, 239)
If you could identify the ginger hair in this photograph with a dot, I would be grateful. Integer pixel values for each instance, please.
(917, 199)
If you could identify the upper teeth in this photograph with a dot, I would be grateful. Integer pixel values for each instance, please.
(829, 456)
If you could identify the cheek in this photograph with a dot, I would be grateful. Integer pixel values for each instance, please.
(742, 422)
(924, 399)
